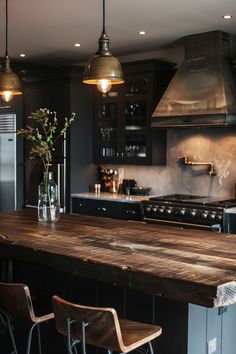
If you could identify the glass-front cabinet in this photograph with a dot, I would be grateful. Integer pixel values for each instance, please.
(122, 117)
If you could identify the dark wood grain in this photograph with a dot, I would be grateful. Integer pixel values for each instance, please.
(187, 265)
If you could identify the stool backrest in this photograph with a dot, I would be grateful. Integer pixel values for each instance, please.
(103, 329)
(15, 300)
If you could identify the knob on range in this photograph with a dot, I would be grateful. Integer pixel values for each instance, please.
(218, 217)
(148, 208)
(204, 215)
(168, 210)
(193, 212)
(161, 210)
(212, 216)
(182, 211)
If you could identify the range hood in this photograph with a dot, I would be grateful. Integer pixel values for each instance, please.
(203, 90)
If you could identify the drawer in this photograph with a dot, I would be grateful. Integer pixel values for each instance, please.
(111, 209)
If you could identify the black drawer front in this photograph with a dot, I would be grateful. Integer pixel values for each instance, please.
(117, 210)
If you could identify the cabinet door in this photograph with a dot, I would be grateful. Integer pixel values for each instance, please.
(122, 118)
(107, 126)
(78, 205)
(137, 110)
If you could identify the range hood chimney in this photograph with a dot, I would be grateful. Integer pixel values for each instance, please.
(203, 90)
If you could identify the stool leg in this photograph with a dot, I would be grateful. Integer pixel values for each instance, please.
(150, 347)
(12, 336)
(39, 339)
(30, 338)
(69, 344)
(83, 343)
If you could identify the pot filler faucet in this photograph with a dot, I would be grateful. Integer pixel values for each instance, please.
(211, 169)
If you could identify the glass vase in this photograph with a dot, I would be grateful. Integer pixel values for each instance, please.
(48, 199)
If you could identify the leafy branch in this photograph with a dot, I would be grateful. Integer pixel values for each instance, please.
(43, 132)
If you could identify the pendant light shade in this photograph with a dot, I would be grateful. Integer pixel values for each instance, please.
(10, 84)
(103, 69)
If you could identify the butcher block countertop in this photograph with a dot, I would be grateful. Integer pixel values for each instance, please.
(187, 265)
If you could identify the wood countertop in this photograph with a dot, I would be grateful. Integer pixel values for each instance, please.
(186, 265)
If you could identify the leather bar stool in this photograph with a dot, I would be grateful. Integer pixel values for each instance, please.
(100, 327)
(16, 305)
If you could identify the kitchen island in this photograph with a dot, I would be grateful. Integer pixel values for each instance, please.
(192, 269)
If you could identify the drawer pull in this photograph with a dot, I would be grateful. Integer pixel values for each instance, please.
(102, 209)
(130, 212)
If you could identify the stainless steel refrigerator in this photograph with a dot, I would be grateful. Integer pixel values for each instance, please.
(8, 186)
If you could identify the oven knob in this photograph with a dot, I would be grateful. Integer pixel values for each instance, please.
(154, 210)
(182, 212)
(176, 211)
(161, 210)
(204, 215)
(168, 211)
(212, 216)
(218, 217)
(148, 209)
(193, 212)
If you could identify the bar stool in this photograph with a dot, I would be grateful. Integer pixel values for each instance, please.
(100, 327)
(16, 305)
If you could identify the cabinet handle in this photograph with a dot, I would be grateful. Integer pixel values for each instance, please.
(102, 209)
(130, 212)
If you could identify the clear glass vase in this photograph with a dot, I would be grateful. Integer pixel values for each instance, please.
(48, 199)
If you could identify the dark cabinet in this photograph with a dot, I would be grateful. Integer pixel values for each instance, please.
(52, 89)
(110, 209)
(122, 132)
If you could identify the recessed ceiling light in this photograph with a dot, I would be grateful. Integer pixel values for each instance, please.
(227, 17)
(142, 33)
(22, 55)
(77, 44)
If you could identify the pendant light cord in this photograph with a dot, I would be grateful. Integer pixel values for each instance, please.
(6, 27)
(103, 16)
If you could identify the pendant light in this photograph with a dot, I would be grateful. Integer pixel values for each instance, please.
(103, 69)
(9, 82)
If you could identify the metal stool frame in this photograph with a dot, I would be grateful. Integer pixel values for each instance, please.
(16, 304)
(100, 327)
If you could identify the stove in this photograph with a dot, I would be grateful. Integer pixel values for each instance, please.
(189, 210)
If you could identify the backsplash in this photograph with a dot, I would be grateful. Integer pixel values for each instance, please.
(216, 145)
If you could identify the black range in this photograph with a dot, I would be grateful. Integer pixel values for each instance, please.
(189, 210)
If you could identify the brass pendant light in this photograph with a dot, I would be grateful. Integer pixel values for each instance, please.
(9, 82)
(103, 69)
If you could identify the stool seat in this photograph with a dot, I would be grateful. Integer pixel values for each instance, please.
(17, 306)
(136, 334)
(100, 327)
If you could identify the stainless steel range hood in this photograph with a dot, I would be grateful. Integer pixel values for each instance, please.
(203, 90)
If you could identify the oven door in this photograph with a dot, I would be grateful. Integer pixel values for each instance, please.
(187, 225)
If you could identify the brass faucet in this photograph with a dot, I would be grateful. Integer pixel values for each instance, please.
(211, 169)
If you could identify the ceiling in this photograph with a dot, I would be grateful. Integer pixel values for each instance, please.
(47, 30)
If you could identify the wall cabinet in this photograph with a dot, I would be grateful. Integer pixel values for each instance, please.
(122, 117)
(110, 209)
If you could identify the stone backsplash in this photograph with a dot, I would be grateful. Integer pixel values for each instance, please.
(216, 145)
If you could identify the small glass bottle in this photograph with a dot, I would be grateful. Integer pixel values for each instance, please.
(48, 199)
